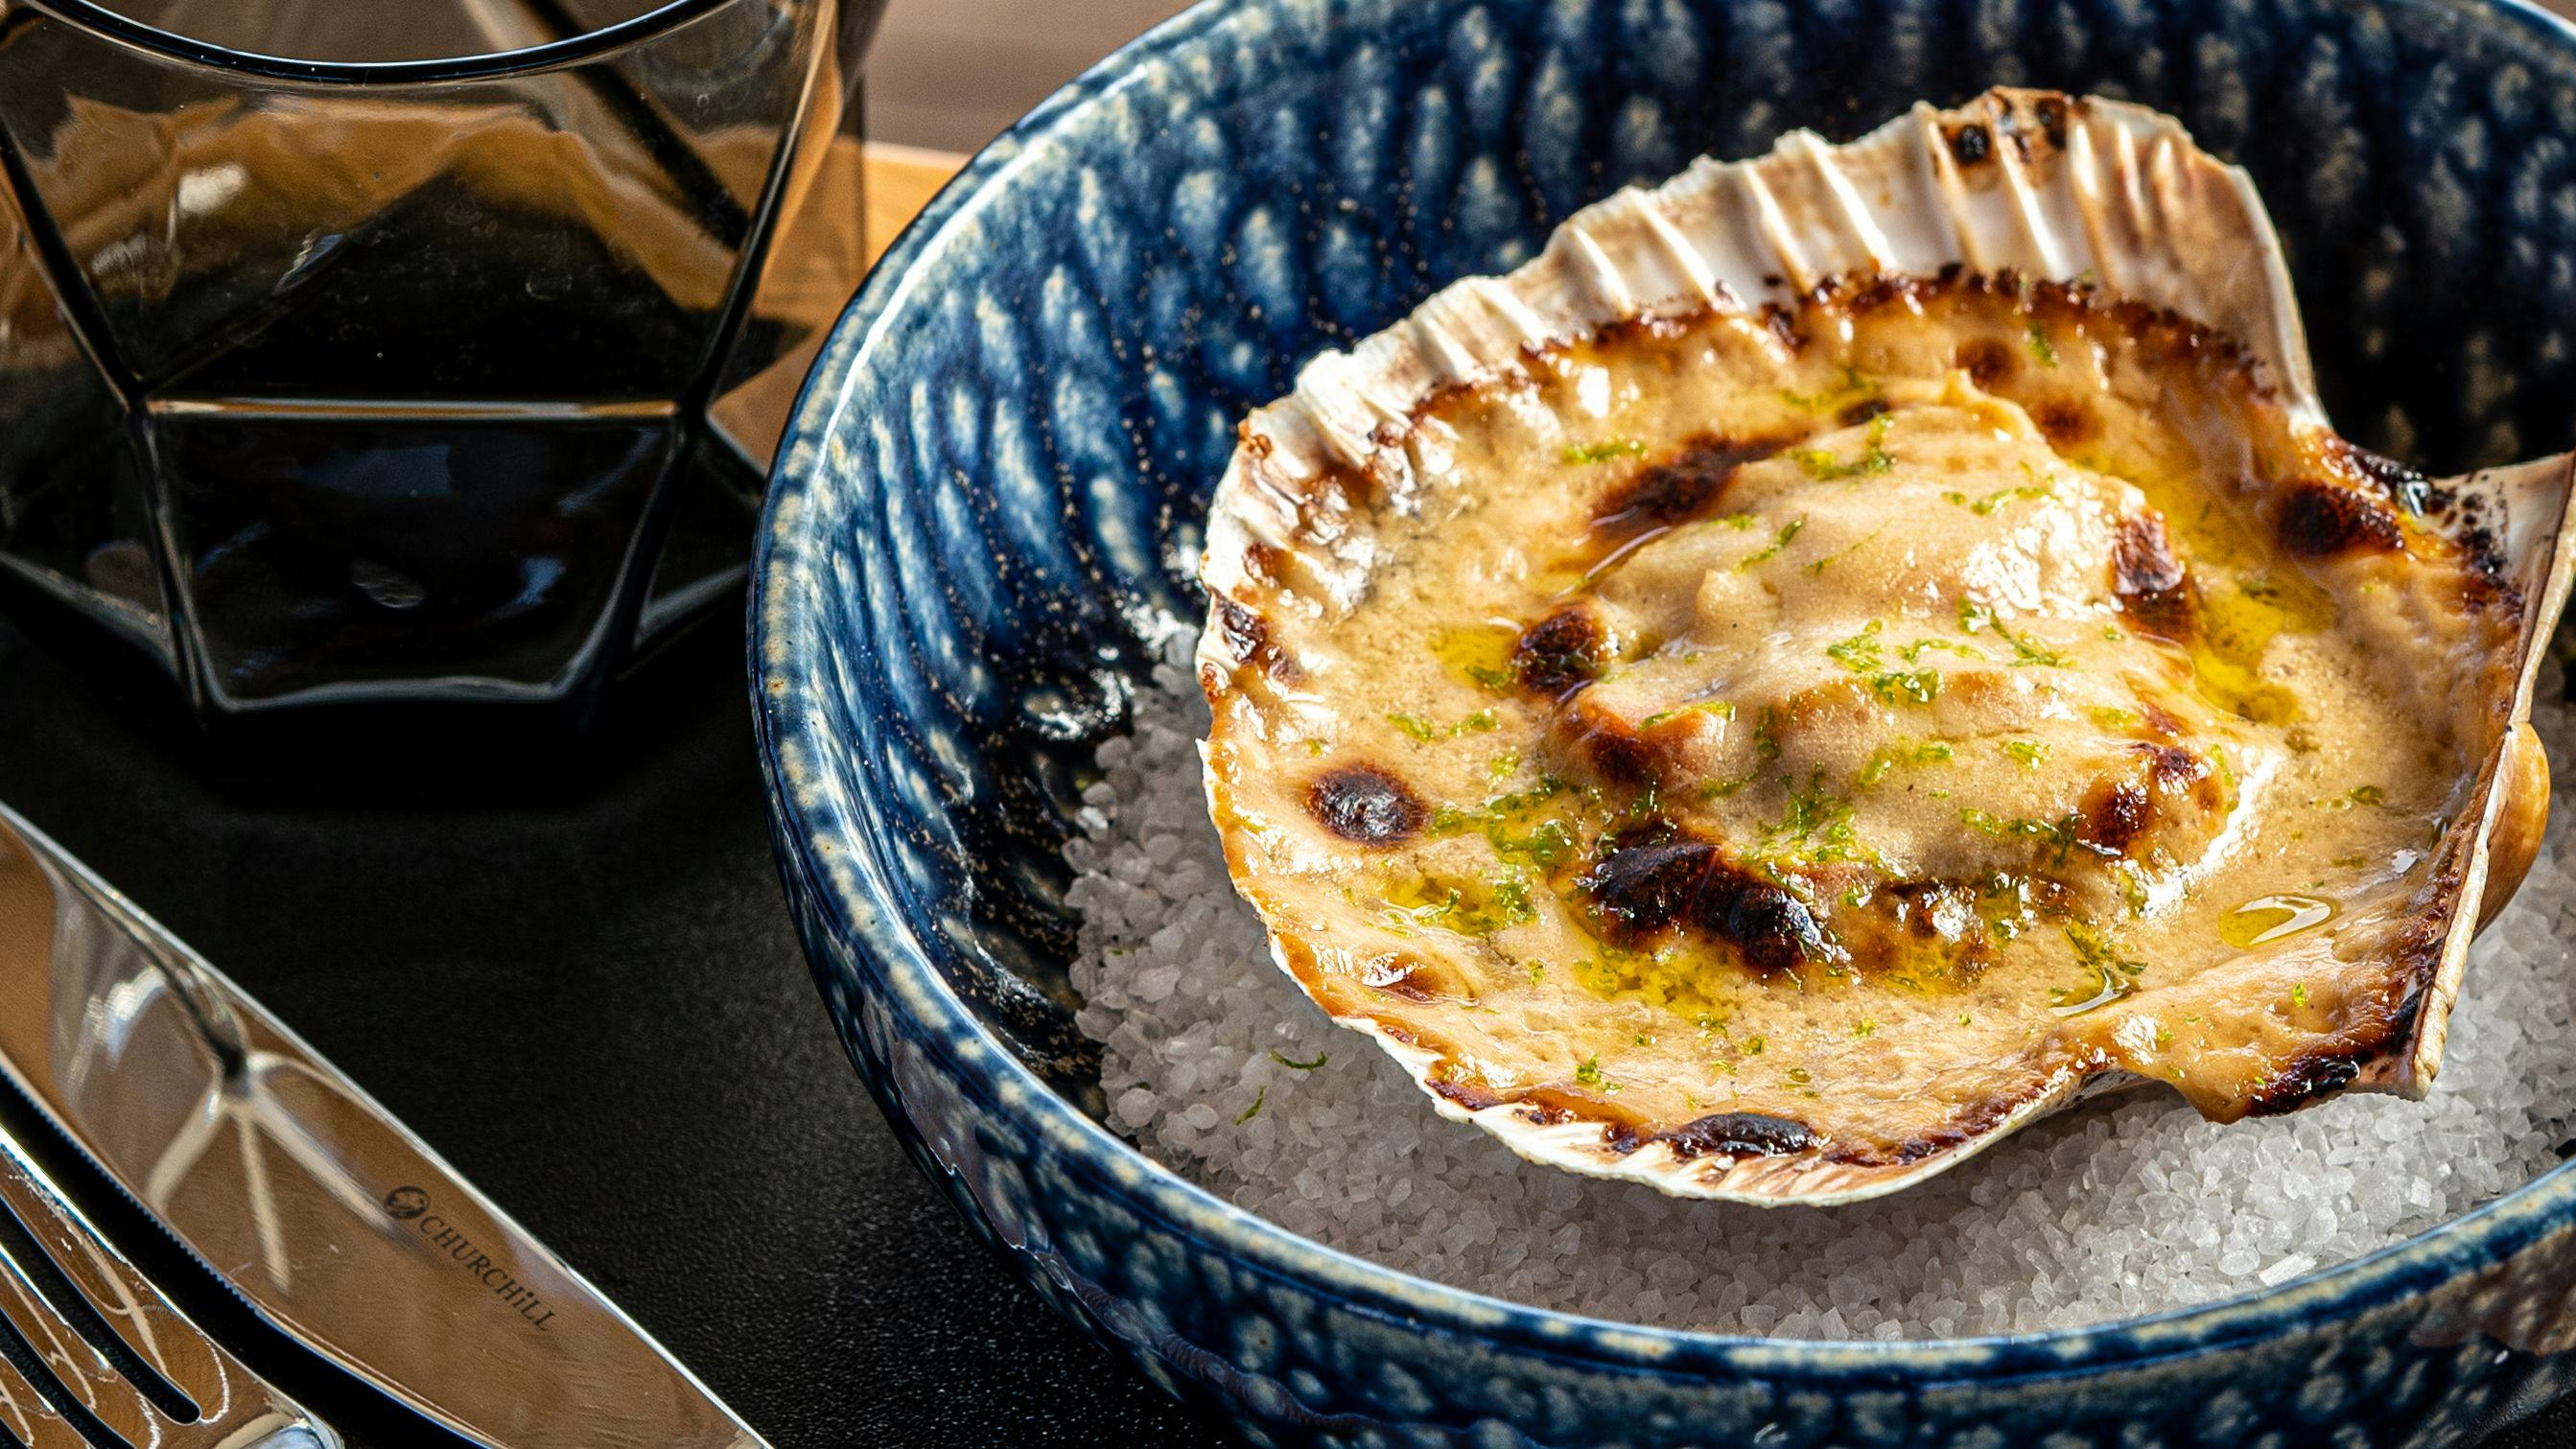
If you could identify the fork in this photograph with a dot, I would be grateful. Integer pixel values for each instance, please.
(101, 1359)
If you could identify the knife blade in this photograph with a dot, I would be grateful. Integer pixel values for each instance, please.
(337, 1225)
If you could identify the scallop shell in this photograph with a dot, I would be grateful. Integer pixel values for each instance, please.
(2033, 183)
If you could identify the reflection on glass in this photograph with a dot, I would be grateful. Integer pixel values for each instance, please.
(329, 378)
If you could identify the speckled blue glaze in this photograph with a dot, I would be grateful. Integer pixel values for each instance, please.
(988, 507)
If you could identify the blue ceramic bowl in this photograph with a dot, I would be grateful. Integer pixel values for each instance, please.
(989, 505)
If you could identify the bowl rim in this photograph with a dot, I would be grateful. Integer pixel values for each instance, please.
(850, 893)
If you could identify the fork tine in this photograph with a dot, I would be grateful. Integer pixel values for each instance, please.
(131, 1307)
(77, 1365)
(232, 1406)
(26, 1416)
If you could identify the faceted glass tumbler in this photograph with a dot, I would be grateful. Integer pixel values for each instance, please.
(404, 377)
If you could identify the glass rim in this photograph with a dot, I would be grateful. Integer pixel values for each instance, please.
(96, 19)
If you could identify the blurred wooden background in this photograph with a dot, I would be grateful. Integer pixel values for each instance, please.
(951, 74)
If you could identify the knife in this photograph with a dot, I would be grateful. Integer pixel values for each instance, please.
(335, 1223)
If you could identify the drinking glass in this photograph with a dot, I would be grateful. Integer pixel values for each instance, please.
(408, 352)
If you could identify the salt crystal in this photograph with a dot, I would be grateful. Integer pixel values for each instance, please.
(2286, 1269)
(2117, 1209)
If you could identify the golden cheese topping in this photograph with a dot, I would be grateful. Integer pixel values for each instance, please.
(1824, 736)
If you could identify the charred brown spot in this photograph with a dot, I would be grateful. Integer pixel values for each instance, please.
(1782, 326)
(1972, 144)
(1366, 804)
(1986, 360)
(1968, 1126)
(2159, 721)
(1244, 630)
(1266, 562)
(1247, 637)
(2301, 1082)
(1412, 980)
(2469, 520)
(1617, 750)
(2116, 811)
(2476, 528)
(2054, 299)
(2202, 358)
(1926, 907)
(1623, 1129)
(1739, 1134)
(2173, 770)
(2119, 809)
(2172, 765)
(2143, 560)
(1621, 757)
(1475, 1096)
(1561, 651)
(1883, 290)
(1922, 927)
(2066, 421)
(1681, 487)
(1861, 412)
(2320, 520)
(1646, 888)
(1246, 634)
(1841, 703)
(2440, 504)
(2051, 111)
(2395, 481)
(2148, 576)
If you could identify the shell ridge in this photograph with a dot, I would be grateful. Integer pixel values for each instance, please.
(1449, 355)
(2114, 199)
(1914, 202)
(2041, 231)
(2159, 236)
(2126, 210)
(1334, 396)
(1733, 243)
(2092, 204)
(2006, 216)
(1685, 258)
(2032, 230)
(1842, 202)
(1773, 227)
(1953, 195)
(1609, 288)
(2121, 193)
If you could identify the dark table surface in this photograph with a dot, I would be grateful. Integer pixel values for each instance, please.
(569, 967)
(574, 974)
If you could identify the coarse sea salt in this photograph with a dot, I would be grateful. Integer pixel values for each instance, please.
(2126, 1206)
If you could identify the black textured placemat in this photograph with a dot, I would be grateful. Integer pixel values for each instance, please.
(2552, 1428)
(574, 974)
(570, 968)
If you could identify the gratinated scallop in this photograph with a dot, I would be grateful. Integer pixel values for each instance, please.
(1850, 651)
